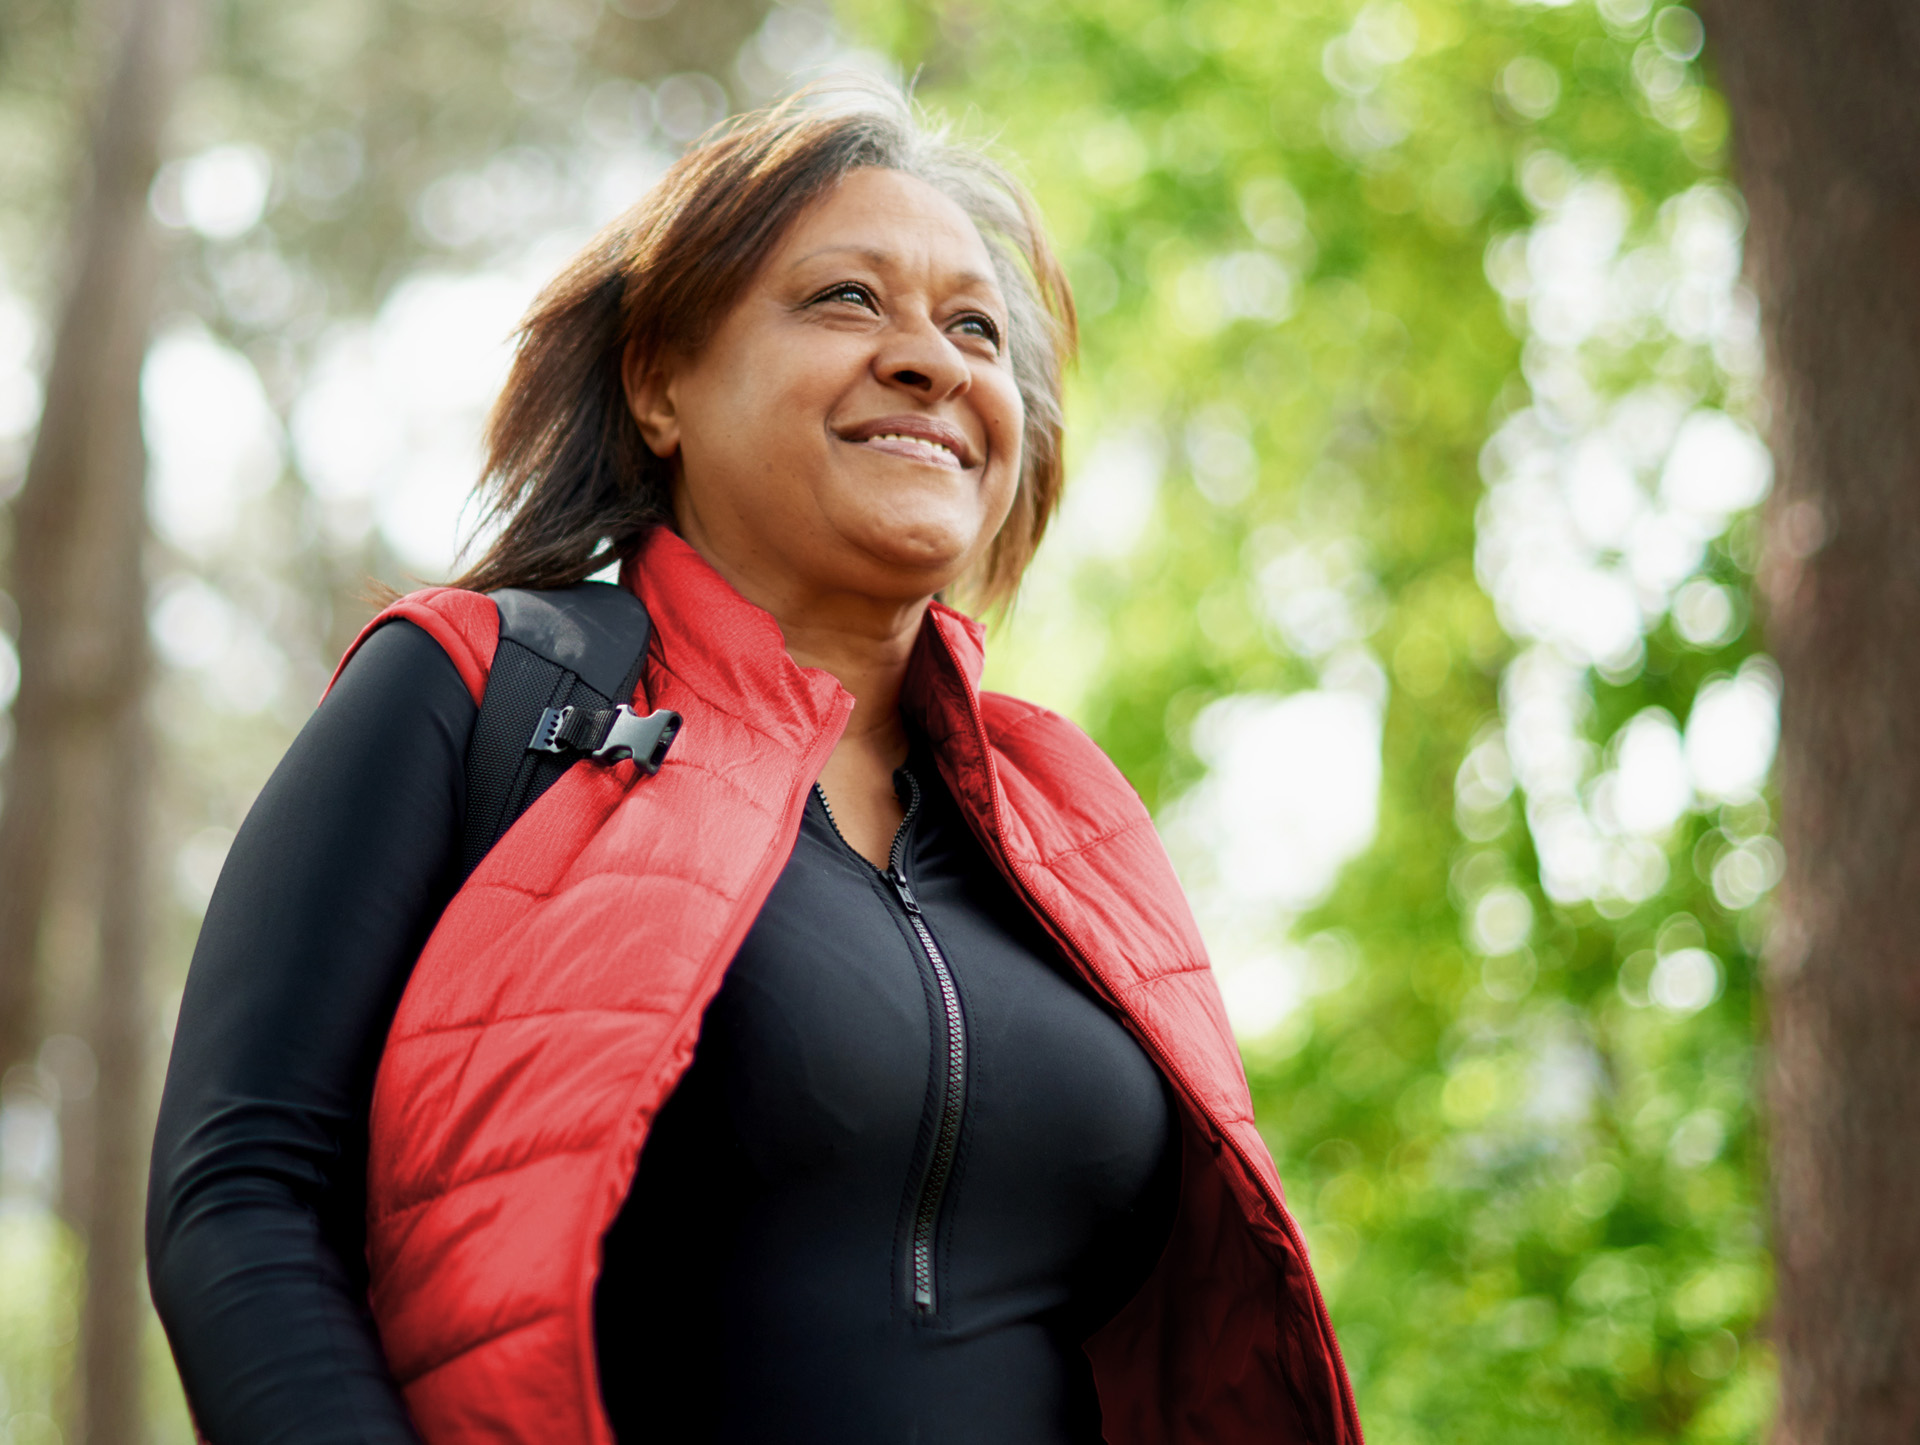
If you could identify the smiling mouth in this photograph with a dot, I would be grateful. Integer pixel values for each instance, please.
(919, 449)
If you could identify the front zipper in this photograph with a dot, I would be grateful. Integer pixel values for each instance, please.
(946, 1142)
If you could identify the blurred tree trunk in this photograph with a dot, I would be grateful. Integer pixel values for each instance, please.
(1826, 109)
(87, 463)
(81, 744)
(113, 1314)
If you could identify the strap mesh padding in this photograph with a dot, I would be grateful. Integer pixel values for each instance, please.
(520, 686)
(544, 769)
(593, 624)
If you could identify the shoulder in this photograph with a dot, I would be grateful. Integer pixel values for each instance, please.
(465, 624)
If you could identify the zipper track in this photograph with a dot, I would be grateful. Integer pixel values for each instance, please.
(946, 1143)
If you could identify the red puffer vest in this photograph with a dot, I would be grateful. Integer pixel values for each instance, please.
(557, 1004)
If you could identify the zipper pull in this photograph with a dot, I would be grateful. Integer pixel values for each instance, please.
(899, 882)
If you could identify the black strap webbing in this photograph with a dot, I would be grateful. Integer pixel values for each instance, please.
(580, 647)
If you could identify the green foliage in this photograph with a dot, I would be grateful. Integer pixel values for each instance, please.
(37, 1320)
(1533, 1193)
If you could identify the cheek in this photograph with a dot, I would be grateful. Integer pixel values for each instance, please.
(1007, 429)
(755, 428)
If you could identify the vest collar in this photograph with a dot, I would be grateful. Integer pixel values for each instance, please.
(732, 655)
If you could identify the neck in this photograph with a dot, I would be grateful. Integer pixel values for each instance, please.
(869, 661)
(864, 642)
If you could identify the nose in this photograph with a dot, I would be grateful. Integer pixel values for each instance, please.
(916, 356)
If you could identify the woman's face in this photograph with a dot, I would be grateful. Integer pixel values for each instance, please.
(853, 425)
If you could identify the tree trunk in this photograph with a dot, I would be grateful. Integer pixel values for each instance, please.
(1826, 111)
(81, 742)
(87, 465)
(113, 1313)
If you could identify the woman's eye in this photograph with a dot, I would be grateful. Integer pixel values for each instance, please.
(850, 291)
(982, 326)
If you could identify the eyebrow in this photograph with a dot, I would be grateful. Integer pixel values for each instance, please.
(880, 260)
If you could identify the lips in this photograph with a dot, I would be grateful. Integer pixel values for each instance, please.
(916, 438)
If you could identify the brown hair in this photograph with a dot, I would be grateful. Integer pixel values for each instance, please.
(569, 481)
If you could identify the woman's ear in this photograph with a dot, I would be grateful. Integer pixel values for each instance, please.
(649, 390)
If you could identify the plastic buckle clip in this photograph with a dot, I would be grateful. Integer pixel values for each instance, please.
(644, 739)
(607, 737)
(547, 732)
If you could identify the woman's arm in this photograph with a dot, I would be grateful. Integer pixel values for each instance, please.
(256, 1207)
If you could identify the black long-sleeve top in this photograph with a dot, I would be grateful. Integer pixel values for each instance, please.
(912, 1165)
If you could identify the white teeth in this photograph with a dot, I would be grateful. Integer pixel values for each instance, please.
(917, 441)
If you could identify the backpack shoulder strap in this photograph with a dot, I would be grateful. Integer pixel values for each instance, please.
(567, 666)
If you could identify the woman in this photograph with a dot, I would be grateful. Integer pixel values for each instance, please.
(857, 1076)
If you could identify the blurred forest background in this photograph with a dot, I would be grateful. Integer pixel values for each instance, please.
(1406, 569)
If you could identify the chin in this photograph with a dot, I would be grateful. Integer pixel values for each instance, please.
(921, 559)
